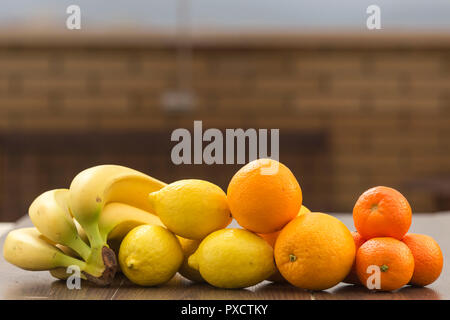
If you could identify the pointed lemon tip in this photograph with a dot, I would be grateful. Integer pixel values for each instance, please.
(152, 200)
(193, 261)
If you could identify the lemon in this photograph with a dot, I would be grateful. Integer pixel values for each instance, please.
(189, 246)
(191, 208)
(233, 258)
(303, 210)
(150, 255)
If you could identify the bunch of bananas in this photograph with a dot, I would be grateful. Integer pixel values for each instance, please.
(79, 226)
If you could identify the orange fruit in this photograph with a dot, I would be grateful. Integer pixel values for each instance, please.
(428, 258)
(314, 251)
(352, 277)
(394, 259)
(272, 237)
(382, 212)
(264, 196)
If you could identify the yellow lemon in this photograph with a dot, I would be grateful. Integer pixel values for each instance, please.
(191, 208)
(189, 246)
(150, 255)
(233, 258)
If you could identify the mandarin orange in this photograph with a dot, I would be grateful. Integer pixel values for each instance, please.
(393, 258)
(352, 277)
(428, 258)
(382, 212)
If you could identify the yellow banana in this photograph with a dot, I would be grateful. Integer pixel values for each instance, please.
(61, 273)
(90, 191)
(73, 225)
(30, 250)
(117, 219)
(50, 215)
(81, 232)
(92, 188)
(67, 251)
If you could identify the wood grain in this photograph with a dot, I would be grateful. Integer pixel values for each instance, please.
(19, 284)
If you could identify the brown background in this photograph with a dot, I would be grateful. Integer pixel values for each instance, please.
(353, 111)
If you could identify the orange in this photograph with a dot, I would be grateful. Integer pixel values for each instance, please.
(315, 251)
(428, 258)
(382, 212)
(272, 237)
(394, 259)
(352, 277)
(264, 196)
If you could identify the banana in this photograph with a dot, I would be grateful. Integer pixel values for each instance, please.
(90, 191)
(67, 251)
(61, 273)
(81, 232)
(50, 215)
(117, 219)
(92, 188)
(30, 250)
(74, 226)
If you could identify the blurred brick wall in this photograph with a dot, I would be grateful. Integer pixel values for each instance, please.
(385, 104)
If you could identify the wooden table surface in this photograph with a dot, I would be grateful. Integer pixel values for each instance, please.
(20, 284)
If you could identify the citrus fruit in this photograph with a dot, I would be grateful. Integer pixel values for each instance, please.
(233, 258)
(150, 255)
(382, 212)
(394, 259)
(314, 251)
(428, 258)
(271, 238)
(262, 202)
(191, 208)
(189, 246)
(352, 277)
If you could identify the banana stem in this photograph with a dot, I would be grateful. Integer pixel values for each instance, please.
(95, 265)
(80, 247)
(69, 261)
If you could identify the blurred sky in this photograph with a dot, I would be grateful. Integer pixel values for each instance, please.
(228, 14)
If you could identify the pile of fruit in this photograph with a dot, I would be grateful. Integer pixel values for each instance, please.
(382, 217)
(114, 218)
